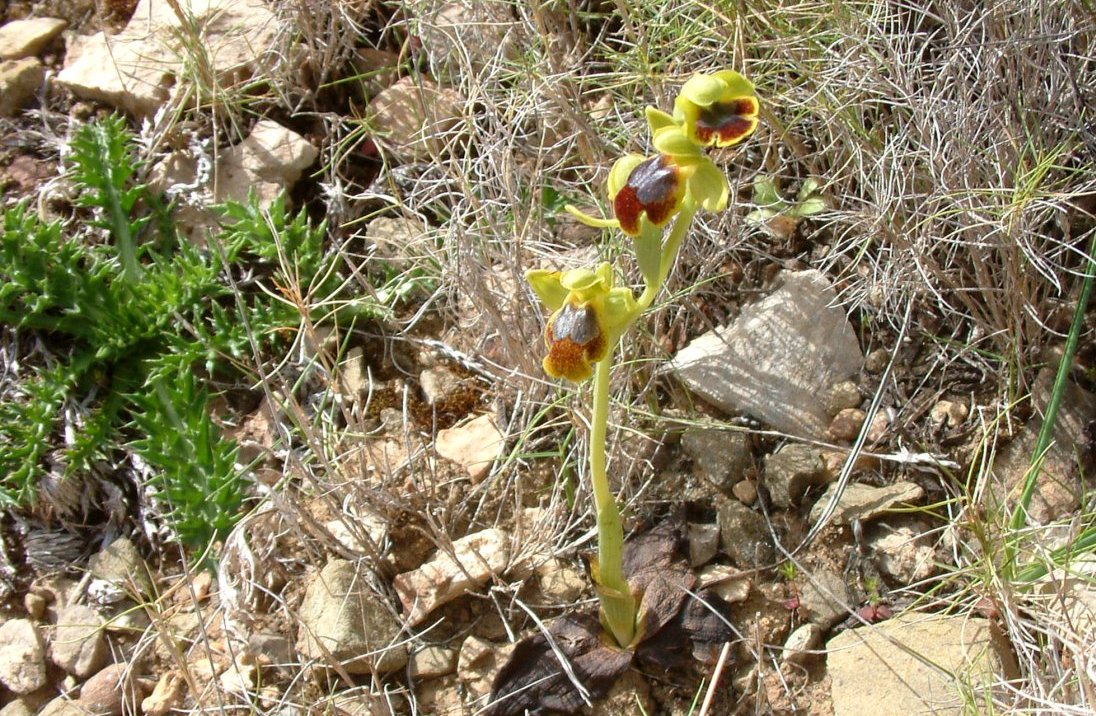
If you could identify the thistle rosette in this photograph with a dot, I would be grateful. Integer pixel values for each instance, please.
(719, 109)
(588, 316)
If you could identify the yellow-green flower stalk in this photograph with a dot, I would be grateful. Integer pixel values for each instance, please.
(589, 314)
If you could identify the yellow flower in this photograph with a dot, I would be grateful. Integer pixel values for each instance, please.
(588, 317)
(719, 108)
(656, 187)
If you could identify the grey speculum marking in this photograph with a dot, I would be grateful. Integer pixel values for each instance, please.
(577, 323)
(652, 180)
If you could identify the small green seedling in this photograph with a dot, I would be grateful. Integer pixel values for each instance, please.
(778, 216)
(787, 571)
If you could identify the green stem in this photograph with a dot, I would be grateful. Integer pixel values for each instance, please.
(1046, 431)
(669, 254)
(618, 606)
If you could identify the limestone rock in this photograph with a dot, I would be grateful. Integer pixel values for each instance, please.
(703, 542)
(877, 429)
(903, 553)
(62, 706)
(864, 502)
(417, 118)
(443, 697)
(342, 619)
(35, 604)
(800, 643)
(22, 656)
(473, 445)
(121, 566)
(745, 535)
(846, 424)
(362, 532)
(841, 396)
(745, 492)
(948, 414)
(26, 38)
(78, 646)
(559, 582)
(792, 470)
(729, 584)
(823, 598)
(473, 561)
(135, 69)
(166, 696)
(876, 361)
(1059, 484)
(18, 707)
(915, 664)
(719, 456)
(111, 691)
(271, 648)
(269, 159)
(480, 660)
(777, 360)
(19, 82)
(438, 384)
(433, 661)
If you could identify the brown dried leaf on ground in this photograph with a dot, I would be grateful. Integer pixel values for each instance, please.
(672, 627)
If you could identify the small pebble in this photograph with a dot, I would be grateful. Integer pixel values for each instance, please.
(841, 396)
(798, 647)
(948, 414)
(878, 428)
(846, 424)
(876, 361)
(35, 605)
(745, 491)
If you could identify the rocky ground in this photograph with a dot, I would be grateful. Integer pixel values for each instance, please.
(835, 455)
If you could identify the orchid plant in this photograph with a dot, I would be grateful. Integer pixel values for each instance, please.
(590, 314)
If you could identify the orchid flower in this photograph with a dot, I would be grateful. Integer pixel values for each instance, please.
(588, 317)
(656, 187)
(719, 109)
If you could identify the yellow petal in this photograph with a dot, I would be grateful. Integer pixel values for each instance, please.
(546, 284)
(672, 140)
(622, 169)
(591, 221)
(702, 89)
(604, 272)
(657, 119)
(735, 85)
(580, 279)
(708, 186)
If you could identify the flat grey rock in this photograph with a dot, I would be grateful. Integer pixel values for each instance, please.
(916, 664)
(778, 360)
(745, 536)
(22, 656)
(864, 502)
(78, 646)
(342, 618)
